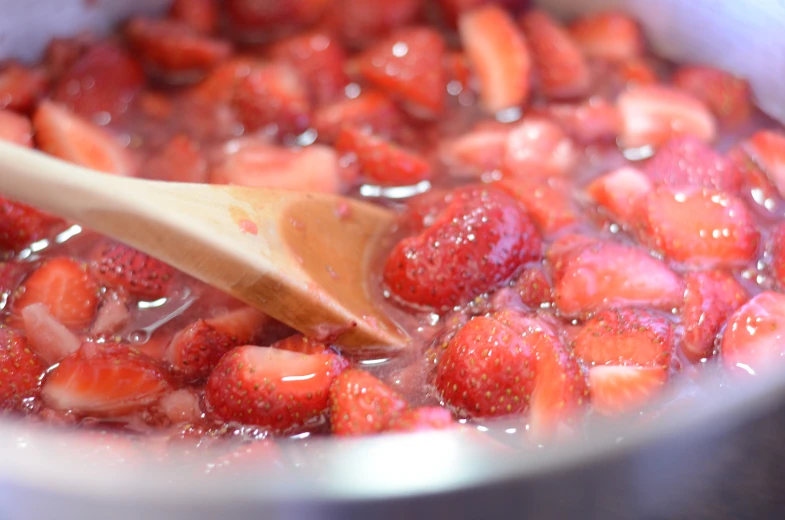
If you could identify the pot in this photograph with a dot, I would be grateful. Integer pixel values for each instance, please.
(716, 452)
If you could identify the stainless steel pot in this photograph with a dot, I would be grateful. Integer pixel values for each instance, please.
(720, 454)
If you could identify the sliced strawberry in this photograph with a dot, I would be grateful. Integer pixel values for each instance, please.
(62, 53)
(728, 97)
(20, 87)
(498, 55)
(219, 85)
(181, 160)
(196, 349)
(699, 227)
(604, 275)
(255, 19)
(688, 160)
(408, 66)
(103, 80)
(477, 151)
(592, 121)
(616, 390)
(21, 225)
(361, 404)
(276, 389)
(709, 299)
(200, 15)
(301, 344)
(620, 192)
(257, 164)
(634, 73)
(609, 35)
(558, 61)
(534, 287)
(120, 266)
(381, 161)
(776, 250)
(453, 9)
(754, 338)
(546, 200)
(181, 406)
(651, 115)
(71, 138)
(65, 287)
(767, 150)
(113, 314)
(426, 418)
(16, 128)
(371, 111)
(20, 366)
(46, 336)
(457, 71)
(104, 379)
(360, 22)
(539, 147)
(11, 273)
(476, 243)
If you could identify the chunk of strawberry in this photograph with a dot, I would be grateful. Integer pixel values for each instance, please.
(533, 287)
(475, 244)
(181, 406)
(104, 379)
(103, 80)
(776, 250)
(754, 338)
(20, 87)
(688, 160)
(709, 299)
(757, 187)
(16, 128)
(498, 55)
(457, 72)
(61, 53)
(558, 61)
(381, 161)
(653, 114)
(604, 275)
(11, 273)
(113, 314)
(592, 121)
(46, 336)
(425, 418)
(63, 134)
(20, 366)
(360, 22)
(539, 147)
(608, 35)
(616, 390)
(546, 200)
(65, 287)
(361, 404)
(408, 65)
(699, 227)
(767, 150)
(728, 97)
(118, 265)
(477, 151)
(200, 15)
(301, 344)
(371, 110)
(181, 160)
(634, 72)
(276, 389)
(196, 349)
(453, 9)
(21, 225)
(259, 19)
(219, 85)
(620, 192)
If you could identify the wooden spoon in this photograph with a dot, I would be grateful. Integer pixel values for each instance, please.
(299, 257)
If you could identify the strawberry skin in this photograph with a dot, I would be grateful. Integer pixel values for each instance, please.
(21, 368)
(609, 35)
(382, 161)
(118, 265)
(616, 390)
(361, 404)
(754, 338)
(21, 225)
(426, 418)
(533, 287)
(729, 97)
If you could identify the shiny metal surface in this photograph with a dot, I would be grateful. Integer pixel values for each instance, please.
(719, 455)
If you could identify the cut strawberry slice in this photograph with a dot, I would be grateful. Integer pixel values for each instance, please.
(181, 406)
(20, 366)
(360, 404)
(276, 389)
(426, 418)
(46, 336)
(181, 160)
(381, 161)
(301, 344)
(107, 379)
(620, 192)
(121, 266)
(559, 62)
(754, 338)
(259, 19)
(219, 85)
(360, 22)
(16, 128)
(21, 225)
(539, 147)
(113, 314)
(767, 150)
(546, 200)
(634, 72)
(20, 87)
(69, 137)
(609, 35)
(200, 15)
(616, 390)
(371, 111)
(594, 120)
(534, 288)
(729, 97)
(776, 250)
(498, 55)
(478, 151)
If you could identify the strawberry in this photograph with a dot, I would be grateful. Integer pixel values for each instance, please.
(254, 18)
(104, 379)
(46, 336)
(616, 390)
(63, 134)
(16, 128)
(113, 314)
(20, 87)
(174, 47)
(558, 60)
(181, 406)
(196, 349)
(625, 337)
(453, 9)
(219, 85)
(408, 65)
(199, 15)
(381, 161)
(609, 35)
(360, 22)
(275, 389)
(620, 191)
(534, 287)
(21, 225)
(103, 80)
(776, 250)
(699, 227)
(547, 202)
(273, 95)
(590, 277)
(11, 273)
(62, 53)
(118, 265)
(753, 339)
(688, 160)
(301, 344)
(477, 151)
(651, 115)
(634, 72)
(709, 299)
(360, 404)
(758, 189)
(476, 243)
(458, 73)
(21, 369)
(767, 150)
(65, 287)
(425, 418)
(728, 97)
(539, 147)
(371, 110)
(498, 55)
(181, 160)
(591, 121)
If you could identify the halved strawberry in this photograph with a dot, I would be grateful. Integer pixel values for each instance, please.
(408, 66)
(65, 287)
(754, 338)
(382, 161)
(634, 72)
(181, 160)
(360, 22)
(533, 287)
(620, 192)
(219, 85)
(21, 225)
(361, 404)
(757, 188)
(20, 366)
(699, 227)
(709, 299)
(46, 336)
(478, 151)
(498, 55)
(301, 344)
(113, 314)
(261, 19)
(16, 128)
(594, 120)
(425, 418)
(276, 389)
(104, 379)
(767, 150)
(181, 406)
(539, 147)
(200, 15)
(371, 110)
(608, 35)
(20, 87)
(728, 96)
(63, 134)
(558, 61)
(196, 349)
(653, 114)
(616, 390)
(547, 201)
(120, 266)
